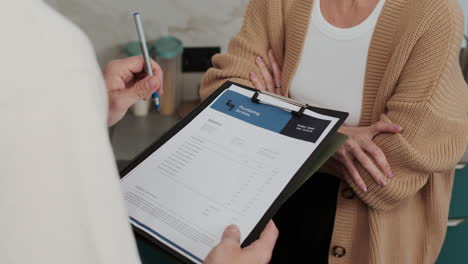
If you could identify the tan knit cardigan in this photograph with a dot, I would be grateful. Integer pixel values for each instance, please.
(413, 79)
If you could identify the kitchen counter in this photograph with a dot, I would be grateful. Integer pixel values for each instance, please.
(133, 134)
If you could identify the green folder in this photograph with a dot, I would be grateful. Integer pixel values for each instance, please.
(325, 154)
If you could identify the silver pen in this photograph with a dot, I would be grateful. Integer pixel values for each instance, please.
(146, 56)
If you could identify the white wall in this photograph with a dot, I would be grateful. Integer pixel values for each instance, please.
(109, 23)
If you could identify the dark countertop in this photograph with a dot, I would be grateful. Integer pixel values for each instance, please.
(133, 134)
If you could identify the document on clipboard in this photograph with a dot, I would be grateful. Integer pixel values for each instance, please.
(233, 160)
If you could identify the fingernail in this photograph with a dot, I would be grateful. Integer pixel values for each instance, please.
(399, 128)
(383, 182)
(259, 59)
(390, 175)
(364, 188)
(232, 228)
(152, 82)
(252, 75)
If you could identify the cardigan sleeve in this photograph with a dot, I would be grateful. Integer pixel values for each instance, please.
(244, 47)
(431, 104)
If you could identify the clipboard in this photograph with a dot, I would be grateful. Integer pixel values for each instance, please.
(313, 163)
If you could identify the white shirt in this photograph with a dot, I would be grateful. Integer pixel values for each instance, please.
(332, 67)
(60, 198)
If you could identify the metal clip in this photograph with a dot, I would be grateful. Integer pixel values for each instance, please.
(299, 113)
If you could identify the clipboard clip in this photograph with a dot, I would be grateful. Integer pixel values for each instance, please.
(299, 113)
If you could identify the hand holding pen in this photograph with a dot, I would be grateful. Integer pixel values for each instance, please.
(127, 83)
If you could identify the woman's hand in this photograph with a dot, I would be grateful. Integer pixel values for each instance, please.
(127, 83)
(229, 250)
(360, 147)
(273, 83)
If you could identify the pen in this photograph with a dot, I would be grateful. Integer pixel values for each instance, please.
(144, 50)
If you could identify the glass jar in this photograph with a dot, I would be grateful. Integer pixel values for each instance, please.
(169, 56)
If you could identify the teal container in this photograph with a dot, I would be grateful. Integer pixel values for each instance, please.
(168, 53)
(133, 48)
(168, 48)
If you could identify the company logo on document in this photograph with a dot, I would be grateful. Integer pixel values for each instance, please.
(230, 105)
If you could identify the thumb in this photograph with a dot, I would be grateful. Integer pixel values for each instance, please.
(262, 249)
(141, 90)
(268, 238)
(231, 235)
(144, 88)
(384, 127)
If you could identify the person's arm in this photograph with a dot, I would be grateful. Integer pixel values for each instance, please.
(61, 187)
(61, 200)
(253, 40)
(229, 251)
(430, 104)
(359, 146)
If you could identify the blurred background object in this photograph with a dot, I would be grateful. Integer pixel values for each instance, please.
(168, 51)
(455, 249)
(464, 60)
(109, 25)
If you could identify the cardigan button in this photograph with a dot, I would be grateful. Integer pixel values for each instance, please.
(339, 251)
(347, 193)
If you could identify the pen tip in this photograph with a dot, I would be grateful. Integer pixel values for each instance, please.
(136, 14)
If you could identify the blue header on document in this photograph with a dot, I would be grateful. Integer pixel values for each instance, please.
(269, 117)
(241, 107)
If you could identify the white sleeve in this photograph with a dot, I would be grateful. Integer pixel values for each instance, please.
(60, 198)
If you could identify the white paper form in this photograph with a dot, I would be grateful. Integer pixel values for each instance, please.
(227, 166)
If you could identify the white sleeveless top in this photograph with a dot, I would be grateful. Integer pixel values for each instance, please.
(332, 67)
